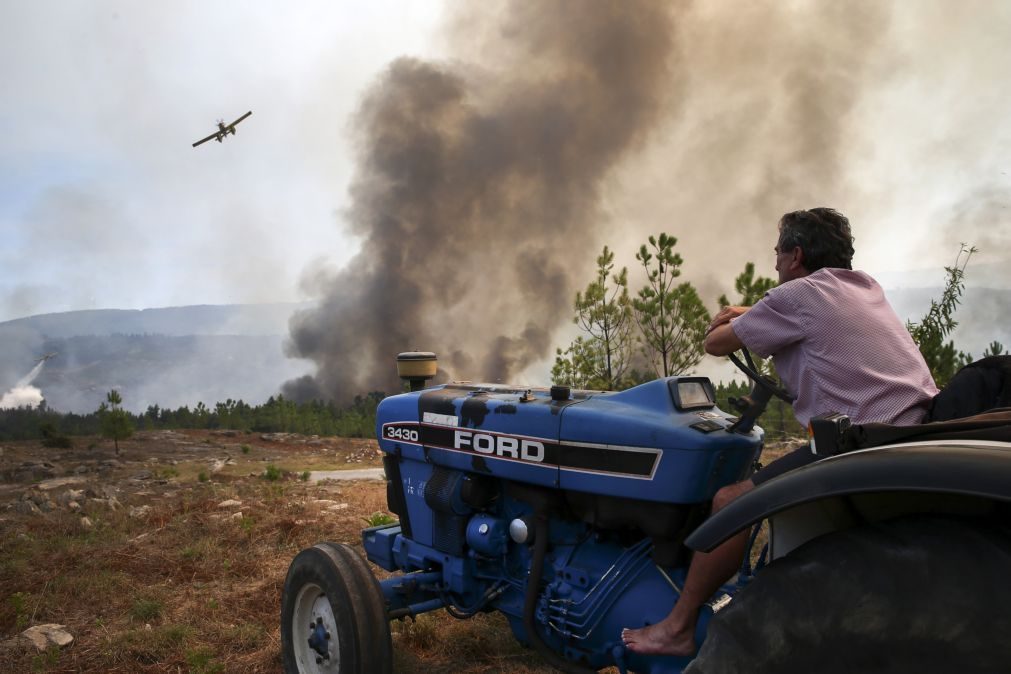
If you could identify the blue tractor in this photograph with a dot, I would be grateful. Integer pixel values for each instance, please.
(575, 514)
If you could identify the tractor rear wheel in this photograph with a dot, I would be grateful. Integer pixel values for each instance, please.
(915, 594)
(333, 617)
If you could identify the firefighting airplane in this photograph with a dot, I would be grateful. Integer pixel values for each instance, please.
(46, 357)
(223, 130)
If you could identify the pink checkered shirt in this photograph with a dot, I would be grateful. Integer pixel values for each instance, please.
(839, 347)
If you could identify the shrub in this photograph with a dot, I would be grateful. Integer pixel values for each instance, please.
(378, 519)
(201, 661)
(146, 609)
(272, 473)
(46, 660)
(53, 438)
(19, 600)
(58, 441)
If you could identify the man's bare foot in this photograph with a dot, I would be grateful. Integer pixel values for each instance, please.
(659, 639)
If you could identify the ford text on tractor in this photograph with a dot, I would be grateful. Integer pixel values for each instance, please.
(575, 514)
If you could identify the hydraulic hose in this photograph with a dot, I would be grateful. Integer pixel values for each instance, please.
(530, 601)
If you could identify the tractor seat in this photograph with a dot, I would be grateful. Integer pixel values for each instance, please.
(976, 388)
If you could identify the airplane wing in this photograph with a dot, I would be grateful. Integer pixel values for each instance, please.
(204, 140)
(240, 119)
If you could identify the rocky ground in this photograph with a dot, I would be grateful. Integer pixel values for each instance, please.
(154, 467)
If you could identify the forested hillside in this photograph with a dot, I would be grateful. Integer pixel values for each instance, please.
(169, 357)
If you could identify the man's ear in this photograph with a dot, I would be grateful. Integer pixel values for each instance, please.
(797, 258)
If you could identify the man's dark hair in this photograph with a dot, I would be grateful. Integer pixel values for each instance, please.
(822, 233)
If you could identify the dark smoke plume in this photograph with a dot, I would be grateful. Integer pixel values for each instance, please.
(478, 193)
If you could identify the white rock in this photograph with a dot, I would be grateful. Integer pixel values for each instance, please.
(57, 482)
(110, 503)
(141, 511)
(338, 506)
(230, 503)
(70, 495)
(86, 523)
(44, 636)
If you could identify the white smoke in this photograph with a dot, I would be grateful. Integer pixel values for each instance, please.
(24, 394)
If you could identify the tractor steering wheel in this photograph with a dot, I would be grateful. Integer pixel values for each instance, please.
(759, 379)
(752, 405)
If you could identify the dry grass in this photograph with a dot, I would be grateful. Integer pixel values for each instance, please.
(192, 586)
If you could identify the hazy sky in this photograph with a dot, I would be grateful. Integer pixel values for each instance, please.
(104, 203)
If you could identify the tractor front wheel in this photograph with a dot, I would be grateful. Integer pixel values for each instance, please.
(333, 617)
(915, 594)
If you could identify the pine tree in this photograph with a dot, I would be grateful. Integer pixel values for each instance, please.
(750, 288)
(604, 311)
(672, 319)
(943, 359)
(114, 420)
(578, 365)
(995, 349)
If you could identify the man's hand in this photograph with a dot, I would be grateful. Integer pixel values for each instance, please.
(720, 337)
(726, 313)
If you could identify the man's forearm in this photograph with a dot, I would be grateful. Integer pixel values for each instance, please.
(722, 341)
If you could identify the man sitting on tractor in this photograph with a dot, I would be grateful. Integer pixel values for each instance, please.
(837, 345)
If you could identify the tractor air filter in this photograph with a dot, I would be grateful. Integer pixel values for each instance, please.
(416, 367)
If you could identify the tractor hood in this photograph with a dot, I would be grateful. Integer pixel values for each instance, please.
(659, 441)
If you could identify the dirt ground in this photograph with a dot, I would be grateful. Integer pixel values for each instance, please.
(171, 555)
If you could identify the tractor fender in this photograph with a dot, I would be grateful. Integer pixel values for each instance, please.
(956, 477)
